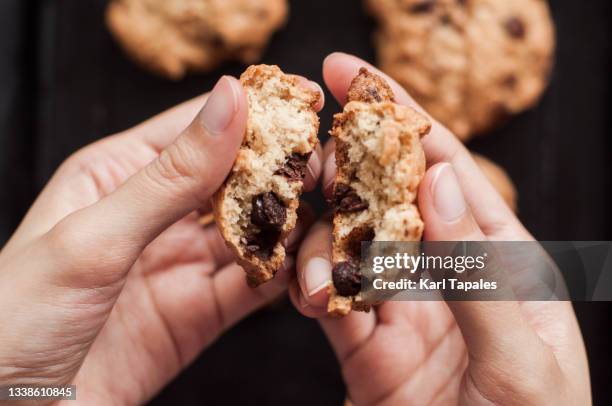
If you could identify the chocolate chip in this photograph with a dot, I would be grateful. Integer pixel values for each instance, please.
(295, 167)
(510, 81)
(404, 58)
(347, 278)
(268, 211)
(261, 244)
(354, 239)
(346, 200)
(269, 214)
(423, 6)
(515, 27)
(261, 13)
(374, 94)
(217, 42)
(500, 113)
(445, 19)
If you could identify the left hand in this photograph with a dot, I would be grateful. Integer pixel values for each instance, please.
(110, 282)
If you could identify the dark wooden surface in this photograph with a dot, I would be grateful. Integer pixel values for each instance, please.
(64, 83)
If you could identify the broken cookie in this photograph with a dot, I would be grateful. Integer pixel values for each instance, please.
(380, 165)
(255, 208)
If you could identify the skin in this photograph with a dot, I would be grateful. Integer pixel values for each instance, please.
(110, 282)
(96, 281)
(438, 353)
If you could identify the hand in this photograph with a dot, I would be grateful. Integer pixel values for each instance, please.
(110, 282)
(468, 353)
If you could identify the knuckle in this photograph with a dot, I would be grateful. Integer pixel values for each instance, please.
(65, 241)
(87, 160)
(77, 161)
(87, 156)
(180, 169)
(176, 163)
(73, 248)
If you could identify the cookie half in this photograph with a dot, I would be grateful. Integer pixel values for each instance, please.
(255, 209)
(173, 37)
(380, 164)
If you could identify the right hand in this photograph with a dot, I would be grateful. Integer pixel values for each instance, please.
(468, 353)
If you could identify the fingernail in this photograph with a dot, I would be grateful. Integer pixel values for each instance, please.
(318, 88)
(221, 106)
(317, 275)
(447, 195)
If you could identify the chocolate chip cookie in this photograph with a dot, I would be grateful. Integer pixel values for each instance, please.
(380, 165)
(469, 63)
(172, 37)
(255, 209)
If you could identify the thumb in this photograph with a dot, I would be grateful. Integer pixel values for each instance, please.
(113, 232)
(494, 331)
(444, 208)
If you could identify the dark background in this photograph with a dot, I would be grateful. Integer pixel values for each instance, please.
(64, 83)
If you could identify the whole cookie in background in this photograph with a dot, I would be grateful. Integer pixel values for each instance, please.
(173, 37)
(469, 63)
(499, 179)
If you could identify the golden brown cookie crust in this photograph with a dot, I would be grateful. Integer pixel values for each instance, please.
(380, 164)
(471, 64)
(173, 37)
(368, 87)
(256, 207)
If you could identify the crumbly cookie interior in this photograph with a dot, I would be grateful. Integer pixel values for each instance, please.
(381, 165)
(261, 195)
